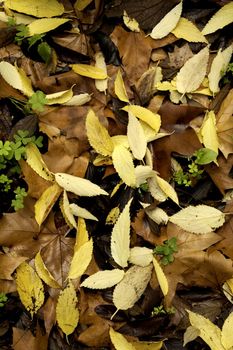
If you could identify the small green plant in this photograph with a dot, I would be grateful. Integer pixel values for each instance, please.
(17, 203)
(166, 250)
(37, 101)
(3, 299)
(160, 310)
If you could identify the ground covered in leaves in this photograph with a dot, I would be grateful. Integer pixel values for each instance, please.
(116, 157)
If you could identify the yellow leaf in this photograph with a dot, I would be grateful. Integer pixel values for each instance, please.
(120, 238)
(44, 273)
(131, 23)
(220, 19)
(81, 212)
(167, 189)
(78, 100)
(42, 8)
(112, 216)
(78, 185)
(193, 72)
(98, 135)
(29, 287)
(89, 71)
(208, 132)
(26, 83)
(119, 341)
(67, 314)
(167, 23)
(162, 279)
(155, 189)
(45, 203)
(158, 215)
(141, 256)
(218, 68)
(200, 219)
(103, 279)
(143, 172)
(166, 86)
(119, 87)
(152, 119)
(81, 259)
(120, 140)
(81, 235)
(59, 97)
(80, 5)
(44, 25)
(129, 290)
(190, 334)
(19, 18)
(227, 334)
(101, 85)
(66, 211)
(136, 137)
(188, 31)
(34, 159)
(123, 163)
(147, 346)
(210, 333)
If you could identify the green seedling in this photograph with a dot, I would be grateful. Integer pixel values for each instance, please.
(3, 299)
(166, 250)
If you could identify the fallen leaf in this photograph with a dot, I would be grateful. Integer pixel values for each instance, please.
(81, 212)
(185, 29)
(136, 138)
(227, 335)
(89, 71)
(103, 279)
(131, 23)
(144, 114)
(163, 282)
(81, 259)
(101, 85)
(44, 25)
(59, 97)
(44, 273)
(208, 132)
(119, 341)
(34, 341)
(220, 19)
(43, 8)
(167, 189)
(119, 87)
(8, 264)
(123, 163)
(141, 256)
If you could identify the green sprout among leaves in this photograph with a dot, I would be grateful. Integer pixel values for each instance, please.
(3, 299)
(17, 203)
(166, 250)
(160, 310)
(37, 101)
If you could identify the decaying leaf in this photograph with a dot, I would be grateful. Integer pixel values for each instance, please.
(42, 8)
(103, 279)
(89, 71)
(120, 239)
(141, 256)
(119, 87)
(144, 114)
(131, 287)
(119, 341)
(81, 212)
(44, 273)
(29, 287)
(168, 23)
(221, 18)
(34, 159)
(123, 163)
(208, 132)
(162, 279)
(44, 25)
(200, 219)
(67, 314)
(136, 137)
(81, 259)
(185, 29)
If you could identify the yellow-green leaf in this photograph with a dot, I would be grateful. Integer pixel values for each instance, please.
(29, 287)
(162, 279)
(44, 273)
(46, 201)
(26, 83)
(208, 132)
(42, 8)
(67, 314)
(227, 334)
(98, 135)
(89, 71)
(81, 212)
(81, 235)
(119, 87)
(185, 29)
(220, 19)
(103, 279)
(78, 185)
(167, 189)
(123, 163)
(35, 160)
(81, 259)
(66, 211)
(147, 345)
(44, 25)
(141, 256)
(136, 137)
(59, 97)
(167, 23)
(152, 119)
(119, 341)
(120, 238)
(80, 5)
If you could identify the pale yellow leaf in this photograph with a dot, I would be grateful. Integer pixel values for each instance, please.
(29, 287)
(59, 97)
(78, 185)
(166, 86)
(103, 279)
(155, 189)
(147, 345)
(220, 19)
(227, 333)
(167, 23)
(120, 140)
(119, 87)
(193, 72)
(123, 163)
(141, 256)
(129, 290)
(144, 114)
(158, 215)
(26, 83)
(44, 273)
(218, 68)
(44, 25)
(185, 29)
(42, 8)
(89, 71)
(136, 137)
(190, 334)
(78, 100)
(81, 212)
(143, 172)
(46, 201)
(11, 75)
(162, 279)
(167, 189)
(101, 85)
(81, 235)
(119, 341)
(131, 23)
(208, 132)
(67, 314)
(98, 135)
(200, 219)
(34, 159)
(150, 133)
(80, 5)
(66, 211)
(81, 259)
(120, 238)
(210, 333)
(19, 18)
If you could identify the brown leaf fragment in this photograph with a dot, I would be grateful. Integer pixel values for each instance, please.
(8, 263)
(24, 339)
(221, 174)
(180, 55)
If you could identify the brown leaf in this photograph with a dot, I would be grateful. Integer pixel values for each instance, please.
(180, 55)
(8, 264)
(221, 174)
(24, 339)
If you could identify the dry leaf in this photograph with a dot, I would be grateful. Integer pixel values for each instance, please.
(66, 211)
(131, 287)
(89, 71)
(44, 25)
(200, 219)
(80, 5)
(167, 23)
(81, 212)
(190, 334)
(67, 314)
(131, 23)
(119, 87)
(162, 279)
(208, 133)
(30, 288)
(119, 341)
(167, 189)
(147, 345)
(78, 100)
(42, 8)
(141, 256)
(136, 138)
(81, 235)
(227, 334)
(142, 173)
(123, 163)
(193, 72)
(59, 97)
(158, 215)
(144, 114)
(44, 273)
(188, 31)
(81, 259)
(103, 279)
(220, 19)
(101, 85)
(120, 238)
(155, 189)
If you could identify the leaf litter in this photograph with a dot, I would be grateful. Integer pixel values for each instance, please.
(126, 231)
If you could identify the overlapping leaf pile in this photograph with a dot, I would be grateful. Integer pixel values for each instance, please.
(125, 238)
